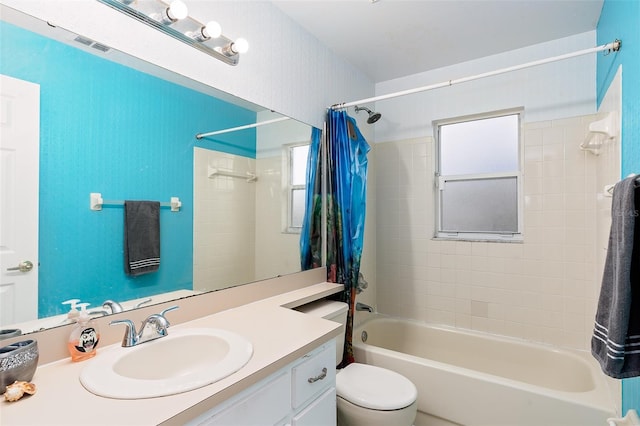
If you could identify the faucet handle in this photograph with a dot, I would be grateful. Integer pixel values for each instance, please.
(142, 302)
(160, 321)
(130, 335)
(169, 309)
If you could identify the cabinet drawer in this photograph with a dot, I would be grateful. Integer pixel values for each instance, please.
(313, 375)
(321, 411)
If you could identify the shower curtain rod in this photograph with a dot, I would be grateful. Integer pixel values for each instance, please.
(248, 126)
(613, 46)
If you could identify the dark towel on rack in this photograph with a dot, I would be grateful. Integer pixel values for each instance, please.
(616, 336)
(141, 237)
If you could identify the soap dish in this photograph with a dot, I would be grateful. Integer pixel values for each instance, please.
(18, 361)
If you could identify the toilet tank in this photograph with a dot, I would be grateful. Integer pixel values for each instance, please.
(333, 311)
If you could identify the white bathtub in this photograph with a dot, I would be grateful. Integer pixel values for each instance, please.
(478, 379)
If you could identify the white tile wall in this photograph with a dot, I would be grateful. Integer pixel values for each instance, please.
(543, 289)
(608, 166)
(237, 235)
(607, 173)
(224, 223)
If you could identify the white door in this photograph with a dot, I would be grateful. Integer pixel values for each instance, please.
(19, 184)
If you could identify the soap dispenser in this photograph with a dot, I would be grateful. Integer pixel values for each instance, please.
(84, 337)
(74, 313)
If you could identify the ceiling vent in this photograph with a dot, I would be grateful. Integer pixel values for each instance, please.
(90, 43)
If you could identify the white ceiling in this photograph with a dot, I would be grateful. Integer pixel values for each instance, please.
(387, 39)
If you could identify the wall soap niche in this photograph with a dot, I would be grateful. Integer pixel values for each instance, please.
(601, 131)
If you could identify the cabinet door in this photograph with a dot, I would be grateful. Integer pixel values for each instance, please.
(266, 406)
(314, 375)
(321, 412)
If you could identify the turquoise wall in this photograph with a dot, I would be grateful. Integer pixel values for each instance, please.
(110, 129)
(620, 19)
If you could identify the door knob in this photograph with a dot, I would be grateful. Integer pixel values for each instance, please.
(25, 266)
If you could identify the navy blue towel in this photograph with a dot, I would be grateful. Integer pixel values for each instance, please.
(141, 237)
(616, 336)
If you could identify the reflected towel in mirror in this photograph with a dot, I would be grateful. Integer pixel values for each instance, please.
(141, 237)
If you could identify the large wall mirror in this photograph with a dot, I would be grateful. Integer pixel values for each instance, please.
(115, 125)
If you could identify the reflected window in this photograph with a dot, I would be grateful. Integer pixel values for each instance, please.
(478, 178)
(296, 175)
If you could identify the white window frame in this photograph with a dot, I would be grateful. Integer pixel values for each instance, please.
(289, 188)
(440, 180)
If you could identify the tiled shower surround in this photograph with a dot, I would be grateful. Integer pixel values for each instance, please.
(223, 222)
(237, 224)
(543, 289)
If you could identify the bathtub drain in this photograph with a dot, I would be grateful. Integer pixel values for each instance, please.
(364, 336)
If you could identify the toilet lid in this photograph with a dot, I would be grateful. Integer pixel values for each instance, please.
(375, 388)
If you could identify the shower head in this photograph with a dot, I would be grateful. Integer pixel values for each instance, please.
(373, 116)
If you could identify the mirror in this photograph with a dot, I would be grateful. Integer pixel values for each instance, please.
(115, 125)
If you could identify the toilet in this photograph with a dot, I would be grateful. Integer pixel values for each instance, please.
(367, 395)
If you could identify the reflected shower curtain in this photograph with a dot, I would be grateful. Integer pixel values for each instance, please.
(311, 234)
(346, 205)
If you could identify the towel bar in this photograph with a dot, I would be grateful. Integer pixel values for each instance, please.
(608, 189)
(250, 176)
(96, 202)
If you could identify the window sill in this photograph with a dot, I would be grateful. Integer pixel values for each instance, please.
(513, 240)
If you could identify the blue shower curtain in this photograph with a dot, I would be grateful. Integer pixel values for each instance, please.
(311, 234)
(346, 205)
(346, 155)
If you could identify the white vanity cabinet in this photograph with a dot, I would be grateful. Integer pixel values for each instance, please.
(320, 412)
(301, 394)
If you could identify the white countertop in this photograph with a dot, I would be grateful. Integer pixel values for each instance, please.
(279, 336)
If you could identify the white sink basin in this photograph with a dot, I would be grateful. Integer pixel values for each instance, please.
(182, 361)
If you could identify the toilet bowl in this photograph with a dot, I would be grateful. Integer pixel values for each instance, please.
(374, 396)
(367, 395)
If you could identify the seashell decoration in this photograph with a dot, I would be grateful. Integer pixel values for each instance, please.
(17, 390)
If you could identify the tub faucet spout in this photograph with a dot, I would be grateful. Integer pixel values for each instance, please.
(363, 307)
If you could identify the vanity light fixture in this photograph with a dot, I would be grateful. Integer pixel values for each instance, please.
(235, 47)
(211, 30)
(176, 11)
(172, 18)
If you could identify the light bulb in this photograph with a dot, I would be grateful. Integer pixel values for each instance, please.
(241, 45)
(177, 10)
(212, 30)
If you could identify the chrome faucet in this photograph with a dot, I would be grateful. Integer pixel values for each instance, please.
(158, 324)
(113, 306)
(363, 307)
(110, 307)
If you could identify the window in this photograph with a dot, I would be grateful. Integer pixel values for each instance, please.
(296, 177)
(478, 177)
